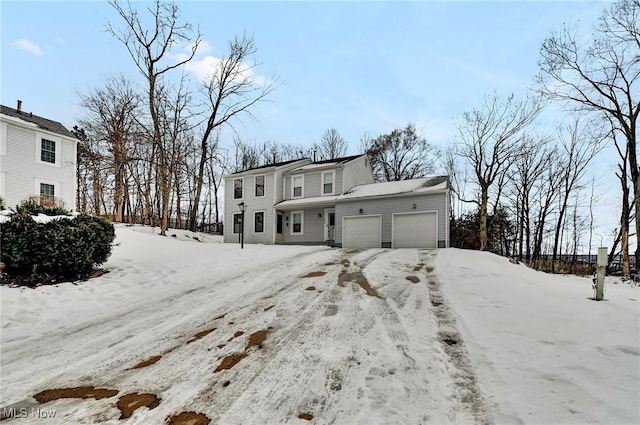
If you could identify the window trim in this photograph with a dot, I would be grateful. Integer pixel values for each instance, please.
(233, 187)
(55, 184)
(264, 215)
(293, 187)
(301, 232)
(333, 183)
(58, 149)
(264, 186)
(4, 134)
(233, 223)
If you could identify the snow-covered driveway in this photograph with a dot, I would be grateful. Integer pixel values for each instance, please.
(331, 336)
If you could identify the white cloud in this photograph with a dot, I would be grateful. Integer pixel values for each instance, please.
(204, 66)
(60, 40)
(28, 46)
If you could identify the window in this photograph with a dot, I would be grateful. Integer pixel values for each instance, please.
(297, 226)
(48, 151)
(258, 222)
(237, 223)
(297, 182)
(47, 191)
(237, 188)
(327, 182)
(259, 186)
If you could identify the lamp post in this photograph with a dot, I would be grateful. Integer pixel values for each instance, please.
(243, 208)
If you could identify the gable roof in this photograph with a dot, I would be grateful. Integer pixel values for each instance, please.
(327, 163)
(264, 167)
(405, 187)
(41, 122)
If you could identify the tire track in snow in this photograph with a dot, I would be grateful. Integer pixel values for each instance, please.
(463, 377)
(144, 331)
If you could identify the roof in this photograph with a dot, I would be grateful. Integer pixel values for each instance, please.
(408, 187)
(41, 122)
(316, 201)
(262, 167)
(328, 163)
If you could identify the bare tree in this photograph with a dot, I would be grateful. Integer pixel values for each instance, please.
(231, 91)
(488, 141)
(402, 154)
(579, 143)
(602, 75)
(148, 47)
(111, 113)
(332, 145)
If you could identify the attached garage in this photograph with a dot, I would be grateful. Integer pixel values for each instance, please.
(362, 231)
(415, 230)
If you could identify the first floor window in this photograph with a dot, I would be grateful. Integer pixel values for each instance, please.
(47, 191)
(296, 218)
(237, 223)
(237, 189)
(258, 222)
(48, 151)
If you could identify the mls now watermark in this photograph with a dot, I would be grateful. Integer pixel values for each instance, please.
(23, 412)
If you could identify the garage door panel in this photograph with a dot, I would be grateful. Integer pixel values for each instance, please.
(416, 230)
(361, 232)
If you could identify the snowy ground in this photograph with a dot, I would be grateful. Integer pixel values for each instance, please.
(373, 337)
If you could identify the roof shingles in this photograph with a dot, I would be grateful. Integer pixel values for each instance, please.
(41, 122)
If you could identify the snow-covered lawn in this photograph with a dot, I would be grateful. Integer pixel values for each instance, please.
(290, 334)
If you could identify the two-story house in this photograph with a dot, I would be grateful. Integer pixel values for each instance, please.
(37, 158)
(335, 202)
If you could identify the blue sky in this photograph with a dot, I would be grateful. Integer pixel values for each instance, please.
(355, 66)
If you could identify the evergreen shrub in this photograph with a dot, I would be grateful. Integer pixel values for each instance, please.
(67, 248)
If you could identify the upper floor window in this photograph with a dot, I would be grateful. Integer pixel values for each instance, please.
(237, 188)
(259, 186)
(328, 182)
(297, 184)
(48, 151)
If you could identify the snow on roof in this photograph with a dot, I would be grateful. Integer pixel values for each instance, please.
(414, 186)
(317, 200)
(327, 163)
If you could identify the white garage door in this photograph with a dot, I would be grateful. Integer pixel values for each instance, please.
(361, 232)
(415, 230)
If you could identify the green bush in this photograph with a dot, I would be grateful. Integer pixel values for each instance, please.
(67, 248)
(35, 205)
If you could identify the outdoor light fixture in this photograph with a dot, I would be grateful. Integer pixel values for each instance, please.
(243, 208)
(319, 215)
(360, 210)
(414, 206)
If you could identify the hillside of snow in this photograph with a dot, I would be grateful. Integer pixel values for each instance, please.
(185, 329)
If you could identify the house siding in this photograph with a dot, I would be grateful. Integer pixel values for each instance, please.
(313, 227)
(357, 172)
(312, 185)
(254, 204)
(22, 172)
(399, 204)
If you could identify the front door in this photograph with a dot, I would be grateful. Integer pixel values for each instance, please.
(279, 235)
(329, 224)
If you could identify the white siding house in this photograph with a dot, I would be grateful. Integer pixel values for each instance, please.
(37, 158)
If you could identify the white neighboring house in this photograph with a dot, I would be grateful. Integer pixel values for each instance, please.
(37, 157)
